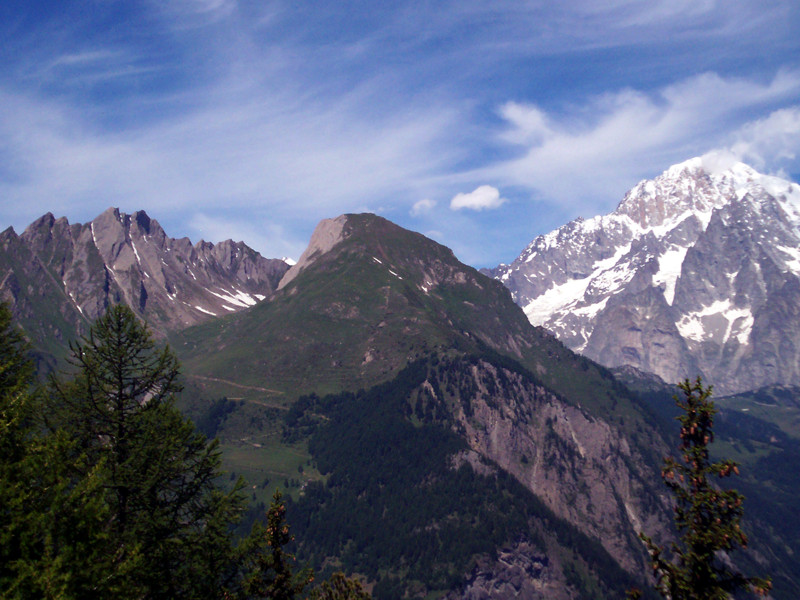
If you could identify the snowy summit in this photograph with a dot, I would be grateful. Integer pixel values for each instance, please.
(676, 280)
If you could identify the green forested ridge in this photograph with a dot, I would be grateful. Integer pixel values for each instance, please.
(383, 297)
(398, 509)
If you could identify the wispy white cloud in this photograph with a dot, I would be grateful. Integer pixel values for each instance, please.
(86, 57)
(484, 197)
(599, 149)
(189, 13)
(772, 142)
(422, 207)
(301, 157)
(580, 25)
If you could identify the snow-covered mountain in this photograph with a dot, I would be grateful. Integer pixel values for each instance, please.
(58, 277)
(696, 272)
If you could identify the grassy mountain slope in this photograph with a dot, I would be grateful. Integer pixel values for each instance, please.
(356, 316)
(379, 298)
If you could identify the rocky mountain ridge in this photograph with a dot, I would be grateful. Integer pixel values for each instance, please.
(77, 270)
(583, 468)
(695, 272)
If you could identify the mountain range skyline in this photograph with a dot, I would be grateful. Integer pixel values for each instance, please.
(714, 162)
(632, 287)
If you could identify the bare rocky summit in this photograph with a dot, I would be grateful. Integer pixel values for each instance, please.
(327, 234)
(59, 276)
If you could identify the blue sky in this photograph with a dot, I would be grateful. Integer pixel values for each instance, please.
(480, 124)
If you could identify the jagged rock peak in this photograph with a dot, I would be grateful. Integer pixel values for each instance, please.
(698, 186)
(143, 220)
(118, 257)
(327, 234)
(138, 220)
(46, 221)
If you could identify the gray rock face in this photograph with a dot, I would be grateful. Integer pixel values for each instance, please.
(327, 234)
(690, 275)
(79, 269)
(584, 469)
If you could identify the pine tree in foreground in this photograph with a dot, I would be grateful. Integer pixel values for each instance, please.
(707, 518)
(166, 522)
(270, 572)
(53, 528)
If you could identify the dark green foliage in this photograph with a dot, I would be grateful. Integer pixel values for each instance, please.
(707, 518)
(166, 513)
(269, 565)
(209, 422)
(106, 491)
(339, 587)
(16, 413)
(16, 403)
(53, 522)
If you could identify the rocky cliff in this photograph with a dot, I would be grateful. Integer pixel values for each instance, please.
(59, 276)
(695, 272)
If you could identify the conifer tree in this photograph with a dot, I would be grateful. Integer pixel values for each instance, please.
(166, 517)
(708, 518)
(269, 565)
(16, 412)
(52, 527)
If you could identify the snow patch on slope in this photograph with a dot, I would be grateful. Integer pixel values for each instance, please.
(237, 298)
(793, 257)
(669, 269)
(719, 322)
(136, 252)
(556, 299)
